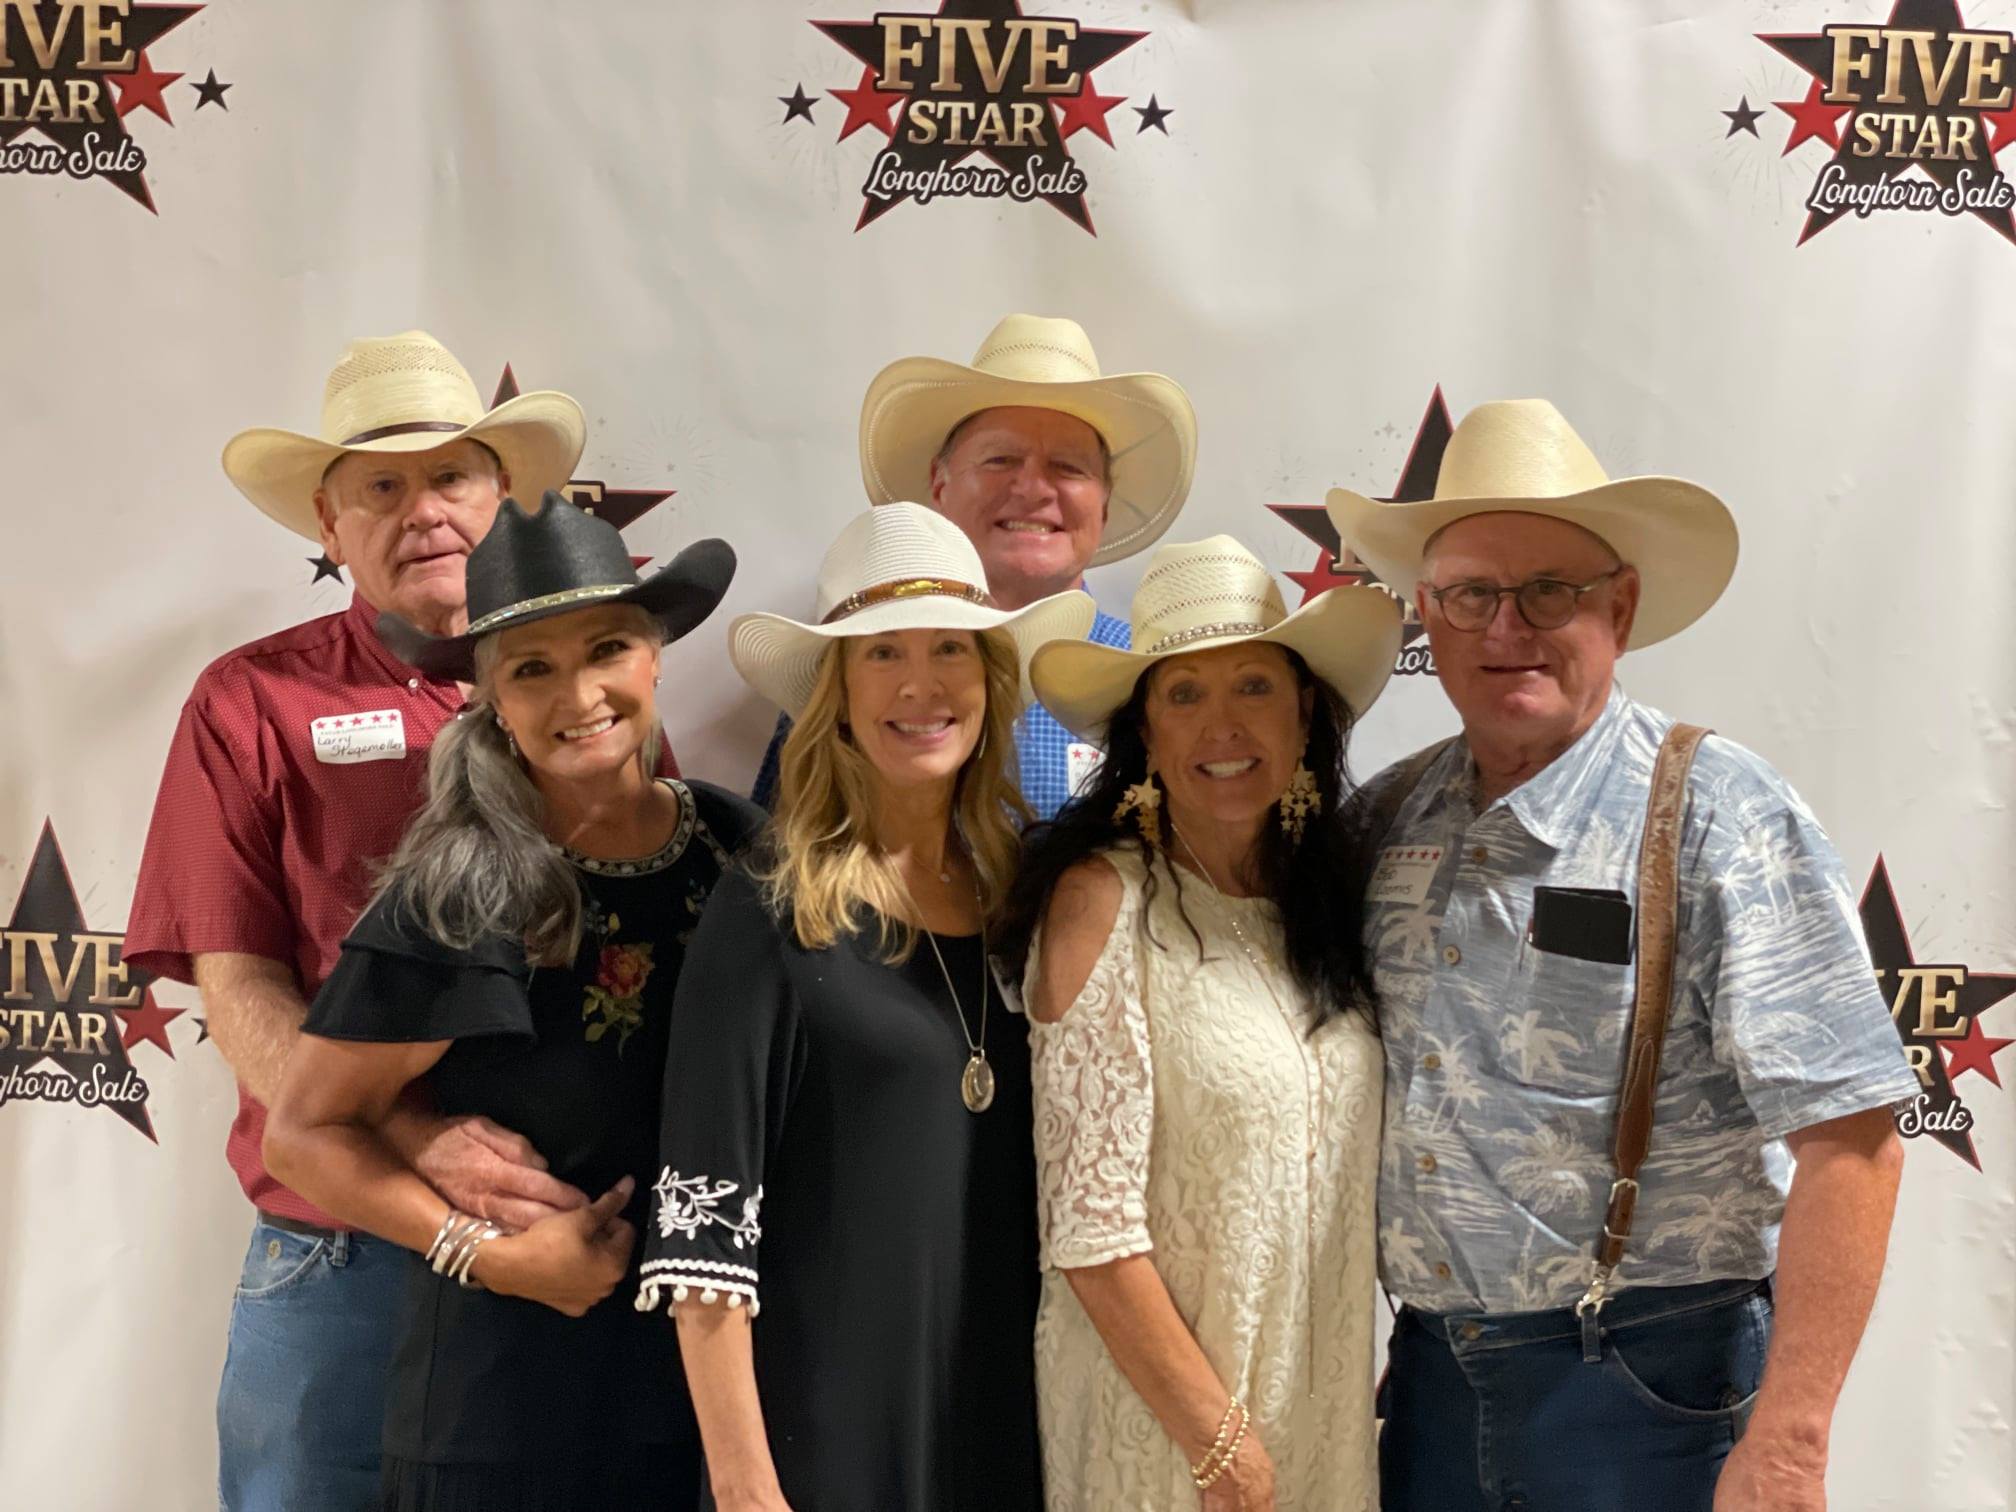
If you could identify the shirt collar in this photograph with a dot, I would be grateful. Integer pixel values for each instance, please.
(360, 622)
(1550, 805)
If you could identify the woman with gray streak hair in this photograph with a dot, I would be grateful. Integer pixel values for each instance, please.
(518, 964)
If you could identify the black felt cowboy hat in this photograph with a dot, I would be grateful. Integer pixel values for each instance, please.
(554, 560)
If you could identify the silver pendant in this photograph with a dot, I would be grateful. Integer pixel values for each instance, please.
(976, 1083)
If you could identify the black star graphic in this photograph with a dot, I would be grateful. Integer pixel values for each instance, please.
(621, 507)
(71, 79)
(1814, 52)
(1087, 51)
(202, 1030)
(59, 1024)
(1339, 566)
(1152, 114)
(210, 92)
(324, 568)
(1742, 118)
(1934, 1007)
(797, 105)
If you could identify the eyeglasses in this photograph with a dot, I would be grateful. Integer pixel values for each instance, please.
(1544, 603)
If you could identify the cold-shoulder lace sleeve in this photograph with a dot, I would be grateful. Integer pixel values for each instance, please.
(1095, 1109)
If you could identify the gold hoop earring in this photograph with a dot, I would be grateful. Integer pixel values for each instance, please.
(1298, 802)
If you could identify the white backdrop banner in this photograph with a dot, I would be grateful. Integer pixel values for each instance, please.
(1764, 245)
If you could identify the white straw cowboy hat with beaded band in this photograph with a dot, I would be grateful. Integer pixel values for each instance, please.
(404, 393)
(1145, 419)
(1520, 455)
(1203, 594)
(899, 567)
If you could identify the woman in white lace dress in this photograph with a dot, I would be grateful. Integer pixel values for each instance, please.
(1207, 1077)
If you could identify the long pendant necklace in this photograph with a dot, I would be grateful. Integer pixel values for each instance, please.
(1312, 1089)
(976, 1082)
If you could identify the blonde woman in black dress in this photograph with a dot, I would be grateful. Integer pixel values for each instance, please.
(844, 1221)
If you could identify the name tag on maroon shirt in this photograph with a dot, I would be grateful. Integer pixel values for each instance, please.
(372, 735)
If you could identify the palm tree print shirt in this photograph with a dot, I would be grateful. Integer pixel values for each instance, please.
(1504, 1045)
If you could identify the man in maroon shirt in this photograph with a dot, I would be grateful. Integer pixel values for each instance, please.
(297, 763)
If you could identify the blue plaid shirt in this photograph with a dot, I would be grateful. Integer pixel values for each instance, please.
(1041, 743)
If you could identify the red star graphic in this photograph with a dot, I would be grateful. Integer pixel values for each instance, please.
(1811, 117)
(1086, 111)
(866, 106)
(2001, 126)
(1325, 576)
(143, 86)
(1975, 1053)
(149, 1021)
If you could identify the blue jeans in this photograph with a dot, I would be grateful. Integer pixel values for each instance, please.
(1508, 1412)
(301, 1410)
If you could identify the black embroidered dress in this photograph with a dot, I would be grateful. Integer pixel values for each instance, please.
(820, 1168)
(498, 1403)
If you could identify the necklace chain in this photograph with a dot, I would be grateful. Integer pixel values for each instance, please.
(976, 1082)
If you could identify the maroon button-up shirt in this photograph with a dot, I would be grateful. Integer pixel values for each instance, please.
(298, 761)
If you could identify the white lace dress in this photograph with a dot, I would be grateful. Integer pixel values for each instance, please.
(1181, 1113)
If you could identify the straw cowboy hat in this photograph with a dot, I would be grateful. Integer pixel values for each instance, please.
(532, 566)
(1521, 455)
(1146, 420)
(900, 567)
(404, 393)
(1217, 593)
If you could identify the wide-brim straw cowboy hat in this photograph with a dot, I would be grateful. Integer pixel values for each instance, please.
(1204, 594)
(1520, 455)
(899, 567)
(404, 393)
(534, 565)
(1034, 361)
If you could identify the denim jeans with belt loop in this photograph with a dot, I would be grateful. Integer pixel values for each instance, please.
(1516, 1412)
(301, 1407)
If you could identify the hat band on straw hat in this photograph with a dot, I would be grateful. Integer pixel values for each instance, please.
(411, 427)
(497, 617)
(903, 588)
(1205, 632)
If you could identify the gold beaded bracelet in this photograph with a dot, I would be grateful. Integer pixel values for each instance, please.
(1218, 1459)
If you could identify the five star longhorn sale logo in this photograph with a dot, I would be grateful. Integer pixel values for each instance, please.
(73, 71)
(977, 76)
(1915, 110)
(1937, 1007)
(71, 1016)
(1338, 566)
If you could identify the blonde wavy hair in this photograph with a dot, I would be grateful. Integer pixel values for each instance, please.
(827, 865)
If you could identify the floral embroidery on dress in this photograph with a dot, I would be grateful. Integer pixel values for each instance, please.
(687, 1205)
(615, 999)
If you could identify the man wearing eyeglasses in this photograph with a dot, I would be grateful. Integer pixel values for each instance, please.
(1702, 1375)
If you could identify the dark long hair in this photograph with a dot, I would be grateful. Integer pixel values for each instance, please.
(1318, 883)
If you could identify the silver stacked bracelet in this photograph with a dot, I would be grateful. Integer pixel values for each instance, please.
(453, 1251)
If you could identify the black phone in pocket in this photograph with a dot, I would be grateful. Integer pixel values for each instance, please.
(1586, 923)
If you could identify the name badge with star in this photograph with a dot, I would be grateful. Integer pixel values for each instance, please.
(1081, 765)
(370, 735)
(1403, 874)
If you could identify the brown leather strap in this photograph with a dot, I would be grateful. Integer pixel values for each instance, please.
(1658, 900)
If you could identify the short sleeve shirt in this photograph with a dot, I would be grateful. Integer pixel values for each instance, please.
(295, 766)
(1505, 1042)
